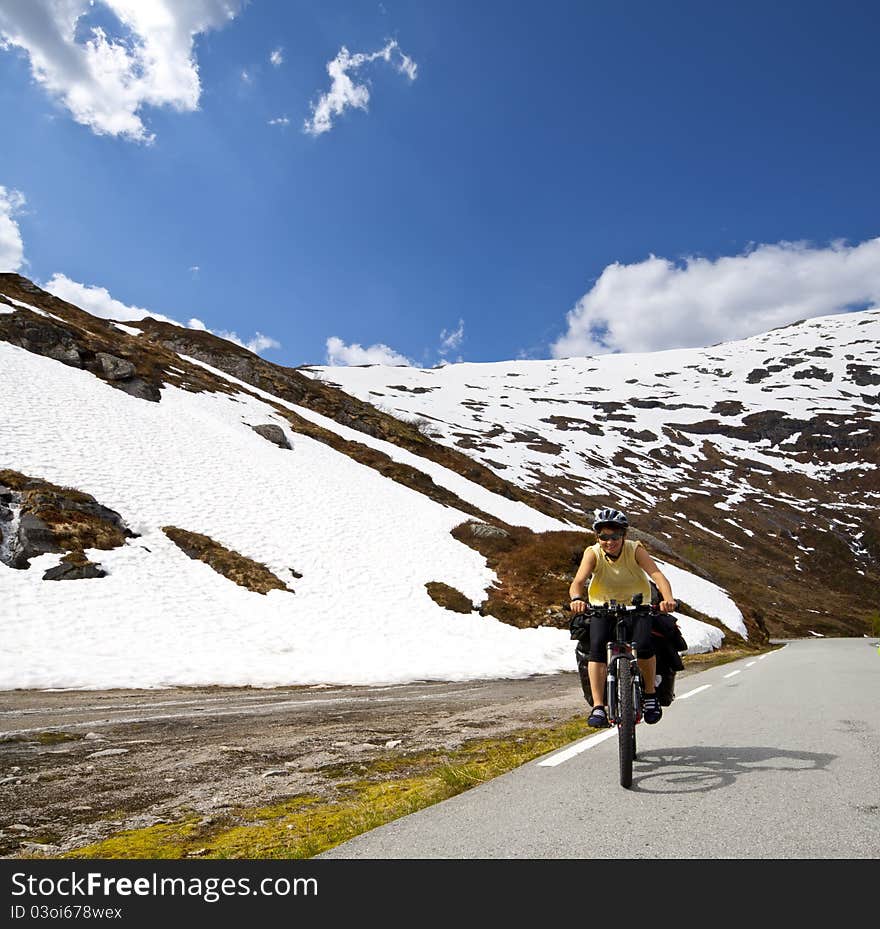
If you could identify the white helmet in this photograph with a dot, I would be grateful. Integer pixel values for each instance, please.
(609, 517)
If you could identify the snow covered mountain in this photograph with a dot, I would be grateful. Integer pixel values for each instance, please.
(755, 461)
(177, 510)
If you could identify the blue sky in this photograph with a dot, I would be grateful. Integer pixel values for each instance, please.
(524, 180)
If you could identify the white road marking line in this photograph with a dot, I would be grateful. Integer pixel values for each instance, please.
(690, 693)
(577, 748)
(738, 671)
(750, 664)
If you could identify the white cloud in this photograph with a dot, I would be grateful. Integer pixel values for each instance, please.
(657, 304)
(106, 80)
(340, 354)
(277, 57)
(451, 339)
(344, 92)
(408, 67)
(258, 344)
(98, 302)
(279, 121)
(194, 269)
(11, 245)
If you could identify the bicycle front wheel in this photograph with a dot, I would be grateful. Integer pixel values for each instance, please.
(626, 726)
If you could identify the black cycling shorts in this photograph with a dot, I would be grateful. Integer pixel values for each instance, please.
(602, 628)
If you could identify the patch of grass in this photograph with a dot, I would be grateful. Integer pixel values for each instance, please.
(47, 737)
(692, 553)
(533, 569)
(236, 567)
(448, 597)
(53, 737)
(722, 656)
(171, 840)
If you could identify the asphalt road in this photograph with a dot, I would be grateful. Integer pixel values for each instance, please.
(771, 757)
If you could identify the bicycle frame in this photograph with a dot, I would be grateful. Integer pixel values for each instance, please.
(618, 650)
(623, 685)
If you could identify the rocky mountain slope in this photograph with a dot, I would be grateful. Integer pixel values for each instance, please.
(750, 465)
(754, 461)
(163, 522)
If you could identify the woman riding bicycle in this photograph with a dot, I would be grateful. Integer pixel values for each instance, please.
(618, 570)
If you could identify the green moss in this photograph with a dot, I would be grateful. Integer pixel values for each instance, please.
(51, 737)
(171, 840)
(47, 737)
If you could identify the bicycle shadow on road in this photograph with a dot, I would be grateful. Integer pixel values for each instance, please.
(698, 769)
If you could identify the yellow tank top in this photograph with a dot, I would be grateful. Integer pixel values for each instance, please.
(620, 579)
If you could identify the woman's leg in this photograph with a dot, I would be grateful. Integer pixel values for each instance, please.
(600, 632)
(645, 652)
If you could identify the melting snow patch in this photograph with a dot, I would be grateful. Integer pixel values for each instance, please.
(700, 637)
(693, 522)
(25, 306)
(129, 329)
(706, 597)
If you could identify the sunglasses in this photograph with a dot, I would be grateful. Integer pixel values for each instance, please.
(610, 537)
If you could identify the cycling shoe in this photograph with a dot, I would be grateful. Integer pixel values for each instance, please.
(653, 710)
(598, 718)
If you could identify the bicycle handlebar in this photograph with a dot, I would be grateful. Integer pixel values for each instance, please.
(615, 608)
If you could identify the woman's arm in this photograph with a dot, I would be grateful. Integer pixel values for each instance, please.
(578, 586)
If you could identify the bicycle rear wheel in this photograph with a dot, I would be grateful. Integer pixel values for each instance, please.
(626, 726)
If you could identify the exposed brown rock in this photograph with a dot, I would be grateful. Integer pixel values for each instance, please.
(56, 519)
(863, 375)
(72, 567)
(728, 408)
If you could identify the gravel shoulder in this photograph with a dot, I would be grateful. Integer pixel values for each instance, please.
(79, 766)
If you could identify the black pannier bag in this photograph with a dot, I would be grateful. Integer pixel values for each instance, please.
(668, 642)
(579, 626)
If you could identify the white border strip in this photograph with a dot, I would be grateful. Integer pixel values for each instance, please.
(732, 673)
(690, 693)
(577, 748)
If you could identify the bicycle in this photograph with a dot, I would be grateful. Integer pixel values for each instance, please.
(624, 687)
